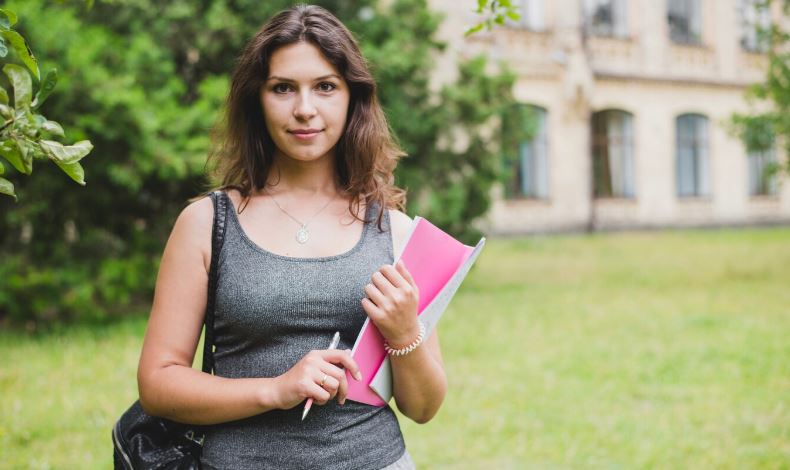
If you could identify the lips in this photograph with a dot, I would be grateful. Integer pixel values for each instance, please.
(305, 135)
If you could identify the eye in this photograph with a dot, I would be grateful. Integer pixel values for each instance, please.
(281, 88)
(327, 86)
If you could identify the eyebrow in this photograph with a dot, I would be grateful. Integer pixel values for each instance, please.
(274, 77)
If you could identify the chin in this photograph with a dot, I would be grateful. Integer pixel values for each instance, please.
(309, 157)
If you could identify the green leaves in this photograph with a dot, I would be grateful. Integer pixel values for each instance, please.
(21, 82)
(767, 123)
(18, 43)
(67, 157)
(495, 12)
(7, 187)
(474, 29)
(53, 128)
(10, 151)
(7, 19)
(74, 170)
(45, 89)
(66, 153)
(21, 130)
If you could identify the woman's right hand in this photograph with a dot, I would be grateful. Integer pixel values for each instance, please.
(303, 380)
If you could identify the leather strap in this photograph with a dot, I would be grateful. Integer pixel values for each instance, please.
(217, 239)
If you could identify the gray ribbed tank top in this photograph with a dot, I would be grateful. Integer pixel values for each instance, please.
(271, 310)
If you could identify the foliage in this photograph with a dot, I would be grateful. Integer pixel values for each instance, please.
(452, 140)
(764, 129)
(146, 80)
(24, 132)
(495, 13)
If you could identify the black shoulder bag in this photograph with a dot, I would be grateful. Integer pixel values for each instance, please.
(146, 442)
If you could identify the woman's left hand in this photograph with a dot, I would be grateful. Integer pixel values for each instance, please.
(392, 304)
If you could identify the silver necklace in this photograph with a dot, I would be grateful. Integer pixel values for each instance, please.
(302, 235)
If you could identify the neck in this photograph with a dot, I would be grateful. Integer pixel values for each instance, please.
(303, 180)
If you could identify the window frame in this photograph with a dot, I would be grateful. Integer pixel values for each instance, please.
(752, 18)
(758, 162)
(537, 186)
(617, 27)
(607, 142)
(692, 36)
(532, 16)
(699, 148)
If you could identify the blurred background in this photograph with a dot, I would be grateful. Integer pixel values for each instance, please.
(625, 158)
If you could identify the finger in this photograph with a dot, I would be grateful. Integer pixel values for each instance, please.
(394, 276)
(329, 368)
(383, 283)
(401, 266)
(344, 358)
(336, 374)
(331, 385)
(339, 382)
(375, 295)
(342, 390)
(319, 395)
(374, 312)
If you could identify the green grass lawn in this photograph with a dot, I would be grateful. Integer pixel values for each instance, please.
(617, 351)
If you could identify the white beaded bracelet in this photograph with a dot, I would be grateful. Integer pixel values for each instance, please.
(409, 348)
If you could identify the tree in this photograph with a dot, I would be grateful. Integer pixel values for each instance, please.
(762, 130)
(146, 81)
(23, 129)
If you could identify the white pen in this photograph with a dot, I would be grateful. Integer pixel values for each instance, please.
(332, 345)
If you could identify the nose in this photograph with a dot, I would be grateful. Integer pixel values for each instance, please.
(304, 106)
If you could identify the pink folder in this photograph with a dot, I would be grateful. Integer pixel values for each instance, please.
(434, 259)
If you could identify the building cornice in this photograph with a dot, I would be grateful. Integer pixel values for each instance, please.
(663, 79)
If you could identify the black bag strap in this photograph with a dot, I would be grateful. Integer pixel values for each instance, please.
(217, 239)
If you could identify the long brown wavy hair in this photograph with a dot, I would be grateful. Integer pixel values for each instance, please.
(366, 153)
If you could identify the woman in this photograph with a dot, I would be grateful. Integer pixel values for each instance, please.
(306, 162)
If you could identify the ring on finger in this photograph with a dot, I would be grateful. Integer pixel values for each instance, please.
(323, 380)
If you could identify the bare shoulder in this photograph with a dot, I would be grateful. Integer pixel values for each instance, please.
(399, 220)
(399, 223)
(198, 212)
(193, 228)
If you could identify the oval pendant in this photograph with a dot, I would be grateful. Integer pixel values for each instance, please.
(302, 235)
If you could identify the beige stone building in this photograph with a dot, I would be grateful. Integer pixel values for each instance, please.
(632, 99)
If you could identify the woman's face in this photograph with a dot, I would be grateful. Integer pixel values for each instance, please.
(305, 102)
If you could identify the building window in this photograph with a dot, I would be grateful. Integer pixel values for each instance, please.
(532, 15)
(762, 179)
(606, 18)
(531, 170)
(684, 18)
(691, 150)
(613, 154)
(755, 22)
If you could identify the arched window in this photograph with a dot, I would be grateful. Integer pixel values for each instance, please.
(691, 155)
(531, 168)
(613, 154)
(761, 181)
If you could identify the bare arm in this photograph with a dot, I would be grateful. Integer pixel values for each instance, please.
(419, 380)
(168, 385)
